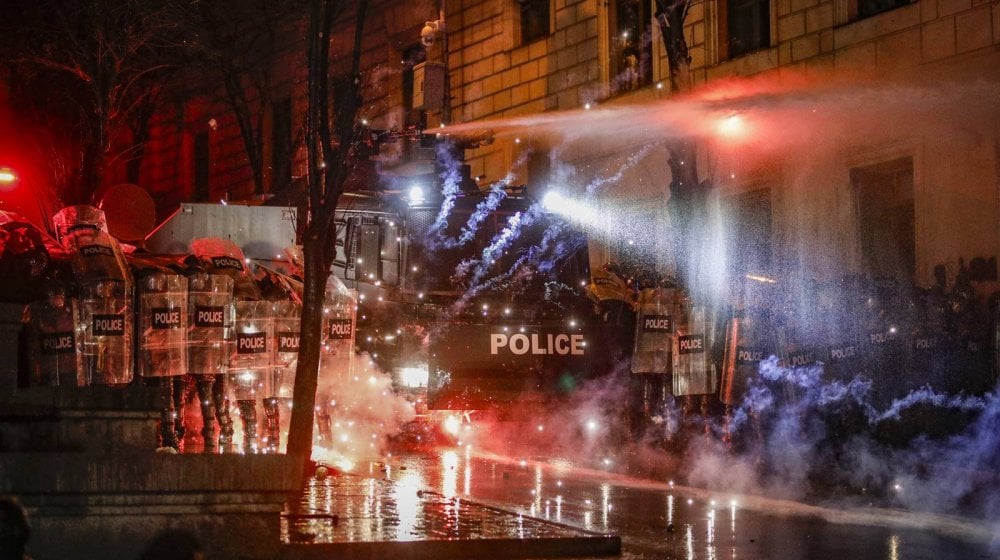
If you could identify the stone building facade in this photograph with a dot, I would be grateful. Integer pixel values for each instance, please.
(823, 206)
(861, 188)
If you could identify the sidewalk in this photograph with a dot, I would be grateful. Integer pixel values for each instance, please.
(349, 516)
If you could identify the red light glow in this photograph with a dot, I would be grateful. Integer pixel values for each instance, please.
(732, 127)
(452, 425)
(7, 175)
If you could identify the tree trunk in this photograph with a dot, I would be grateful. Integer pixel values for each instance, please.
(300, 434)
(688, 195)
(328, 170)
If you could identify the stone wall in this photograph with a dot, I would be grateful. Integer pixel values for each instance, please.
(85, 505)
(82, 462)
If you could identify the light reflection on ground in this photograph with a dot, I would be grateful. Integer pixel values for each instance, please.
(655, 519)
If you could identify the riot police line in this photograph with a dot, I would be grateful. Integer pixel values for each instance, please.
(895, 337)
(201, 325)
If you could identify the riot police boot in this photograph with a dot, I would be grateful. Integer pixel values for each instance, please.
(168, 437)
(272, 427)
(226, 430)
(248, 413)
(207, 411)
(179, 429)
(178, 401)
(221, 409)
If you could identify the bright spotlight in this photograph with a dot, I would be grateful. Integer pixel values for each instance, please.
(452, 425)
(417, 195)
(576, 210)
(552, 200)
(733, 126)
(414, 376)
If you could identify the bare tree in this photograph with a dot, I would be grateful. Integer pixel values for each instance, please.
(102, 61)
(688, 194)
(688, 204)
(232, 43)
(333, 144)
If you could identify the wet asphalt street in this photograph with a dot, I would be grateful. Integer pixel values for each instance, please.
(654, 518)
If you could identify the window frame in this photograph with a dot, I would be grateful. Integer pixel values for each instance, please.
(724, 45)
(866, 255)
(523, 39)
(610, 51)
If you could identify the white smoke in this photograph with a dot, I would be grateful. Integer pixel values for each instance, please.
(357, 413)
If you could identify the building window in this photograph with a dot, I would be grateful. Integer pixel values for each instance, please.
(884, 194)
(631, 44)
(535, 17)
(281, 144)
(871, 7)
(747, 26)
(201, 164)
(749, 242)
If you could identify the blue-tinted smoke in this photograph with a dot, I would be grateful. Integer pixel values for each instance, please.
(474, 270)
(498, 192)
(451, 187)
(555, 245)
(615, 177)
(541, 258)
(799, 435)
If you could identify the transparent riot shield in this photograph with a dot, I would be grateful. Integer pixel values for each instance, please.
(278, 403)
(211, 322)
(106, 292)
(337, 354)
(287, 316)
(746, 347)
(793, 353)
(55, 352)
(250, 364)
(340, 318)
(839, 334)
(885, 341)
(163, 322)
(210, 338)
(694, 372)
(106, 331)
(654, 332)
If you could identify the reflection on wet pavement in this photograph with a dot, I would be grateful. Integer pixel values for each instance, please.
(428, 494)
(353, 508)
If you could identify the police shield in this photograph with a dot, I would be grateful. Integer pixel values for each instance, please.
(746, 347)
(694, 372)
(106, 292)
(654, 333)
(251, 360)
(211, 322)
(163, 323)
(286, 352)
(53, 332)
